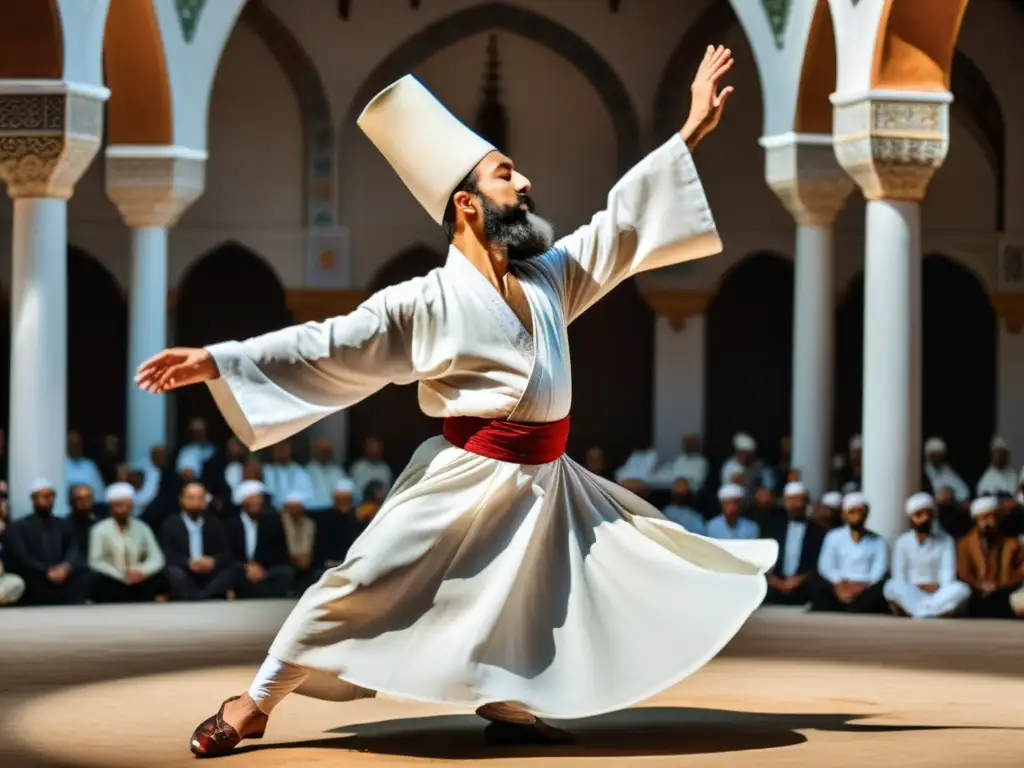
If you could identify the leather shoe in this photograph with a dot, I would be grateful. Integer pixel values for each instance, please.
(214, 737)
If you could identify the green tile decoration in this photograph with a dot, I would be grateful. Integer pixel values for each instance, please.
(778, 16)
(188, 14)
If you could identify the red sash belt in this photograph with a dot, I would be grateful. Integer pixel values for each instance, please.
(511, 441)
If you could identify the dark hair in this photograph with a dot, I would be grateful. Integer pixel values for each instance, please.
(468, 184)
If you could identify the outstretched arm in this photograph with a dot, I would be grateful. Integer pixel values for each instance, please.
(656, 215)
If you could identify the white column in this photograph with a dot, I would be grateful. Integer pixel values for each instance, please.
(803, 171)
(152, 187)
(891, 425)
(891, 143)
(813, 357)
(39, 293)
(678, 382)
(42, 156)
(147, 334)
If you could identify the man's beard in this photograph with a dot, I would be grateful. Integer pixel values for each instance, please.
(523, 234)
(857, 526)
(923, 528)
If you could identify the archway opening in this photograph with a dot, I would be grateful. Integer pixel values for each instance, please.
(229, 293)
(97, 349)
(393, 414)
(749, 367)
(612, 351)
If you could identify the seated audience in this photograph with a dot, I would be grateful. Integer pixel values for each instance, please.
(197, 451)
(999, 477)
(743, 468)
(44, 551)
(258, 543)
(990, 563)
(799, 547)
(124, 556)
(851, 467)
(300, 535)
(765, 510)
(199, 561)
(954, 517)
(923, 582)
(371, 467)
(690, 465)
(282, 475)
(82, 516)
(78, 468)
(852, 564)
(682, 508)
(324, 473)
(828, 515)
(12, 586)
(730, 524)
(336, 529)
(939, 473)
(374, 494)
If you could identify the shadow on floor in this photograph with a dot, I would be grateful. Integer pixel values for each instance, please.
(630, 733)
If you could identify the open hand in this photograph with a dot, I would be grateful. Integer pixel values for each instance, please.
(174, 368)
(706, 101)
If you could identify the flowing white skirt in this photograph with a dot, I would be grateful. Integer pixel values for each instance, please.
(481, 581)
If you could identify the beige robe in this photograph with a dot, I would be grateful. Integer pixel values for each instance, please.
(481, 580)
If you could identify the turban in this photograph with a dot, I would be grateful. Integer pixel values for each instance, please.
(832, 499)
(40, 484)
(984, 505)
(919, 501)
(246, 489)
(743, 443)
(120, 492)
(345, 486)
(854, 500)
(934, 445)
(730, 491)
(794, 489)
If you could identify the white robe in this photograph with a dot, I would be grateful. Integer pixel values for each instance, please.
(995, 480)
(480, 580)
(933, 562)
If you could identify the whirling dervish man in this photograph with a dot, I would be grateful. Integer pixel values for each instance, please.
(499, 574)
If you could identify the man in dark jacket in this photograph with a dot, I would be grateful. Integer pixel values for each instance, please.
(199, 561)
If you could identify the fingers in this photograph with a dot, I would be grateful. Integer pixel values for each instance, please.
(715, 57)
(723, 66)
(169, 379)
(721, 98)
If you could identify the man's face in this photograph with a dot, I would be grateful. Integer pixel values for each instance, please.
(81, 498)
(988, 523)
(235, 449)
(856, 518)
(921, 521)
(42, 500)
(158, 455)
(731, 509)
(294, 509)
(691, 444)
(252, 470)
(323, 450)
(502, 210)
(343, 500)
(936, 458)
(744, 457)
(855, 456)
(253, 504)
(373, 449)
(763, 497)
(945, 496)
(1000, 457)
(197, 431)
(74, 445)
(193, 498)
(595, 460)
(681, 487)
(282, 452)
(121, 509)
(796, 505)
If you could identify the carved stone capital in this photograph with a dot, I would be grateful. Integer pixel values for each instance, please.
(311, 304)
(154, 186)
(676, 306)
(1010, 309)
(802, 170)
(50, 131)
(892, 147)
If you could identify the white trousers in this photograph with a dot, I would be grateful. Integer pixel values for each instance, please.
(925, 605)
(275, 680)
(12, 587)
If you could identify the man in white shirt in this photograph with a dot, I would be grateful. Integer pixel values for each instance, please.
(743, 467)
(682, 508)
(371, 467)
(640, 465)
(124, 555)
(282, 476)
(81, 470)
(799, 547)
(923, 583)
(197, 451)
(1000, 477)
(690, 465)
(324, 474)
(730, 524)
(940, 474)
(852, 564)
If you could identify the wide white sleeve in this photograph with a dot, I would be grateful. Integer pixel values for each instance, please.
(275, 385)
(656, 215)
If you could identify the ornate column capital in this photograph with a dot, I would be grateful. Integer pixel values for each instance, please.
(676, 306)
(802, 170)
(50, 131)
(891, 142)
(152, 186)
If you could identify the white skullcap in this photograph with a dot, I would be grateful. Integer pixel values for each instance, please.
(246, 489)
(919, 501)
(730, 492)
(934, 445)
(743, 442)
(832, 499)
(427, 146)
(120, 492)
(856, 443)
(984, 505)
(998, 444)
(854, 500)
(295, 497)
(794, 489)
(40, 484)
(345, 486)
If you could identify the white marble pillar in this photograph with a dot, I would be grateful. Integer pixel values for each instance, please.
(152, 186)
(802, 170)
(50, 131)
(891, 143)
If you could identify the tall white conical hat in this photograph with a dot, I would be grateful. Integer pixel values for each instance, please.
(430, 149)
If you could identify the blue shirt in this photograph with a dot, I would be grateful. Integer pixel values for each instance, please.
(690, 519)
(745, 528)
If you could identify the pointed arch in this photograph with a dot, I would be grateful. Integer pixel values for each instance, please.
(230, 292)
(318, 129)
(97, 348)
(612, 349)
(525, 23)
(749, 342)
(393, 414)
